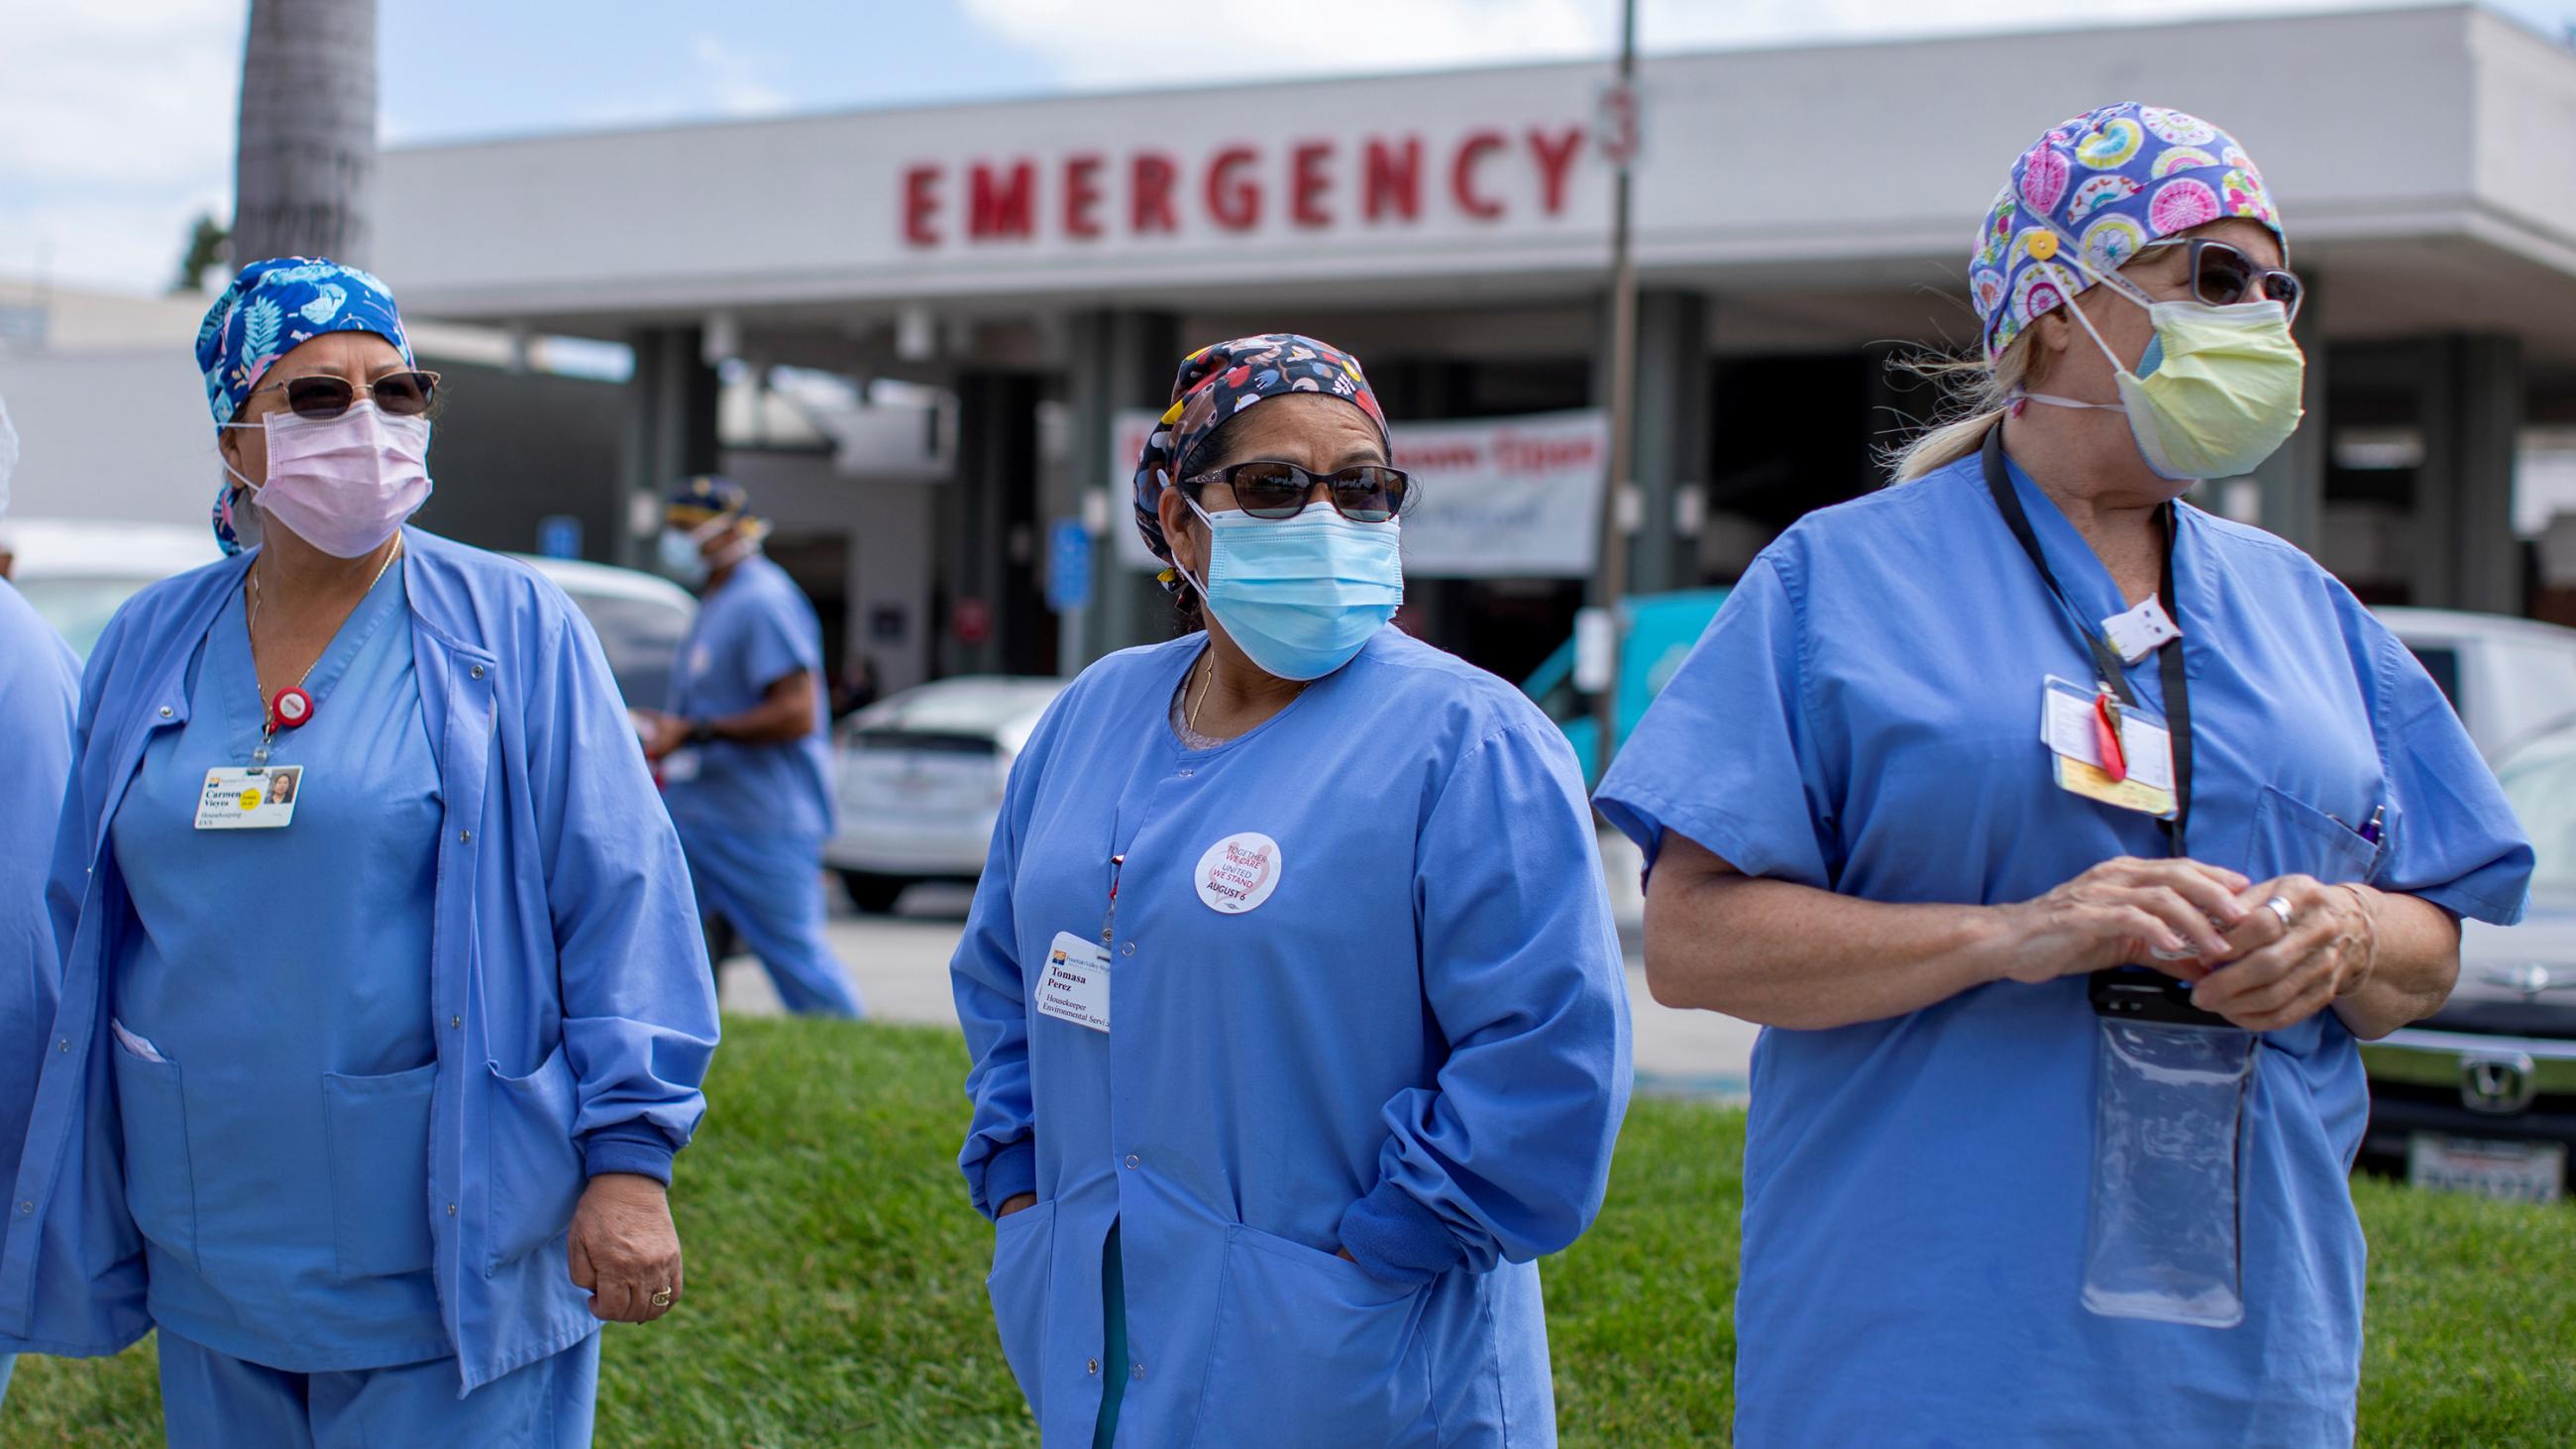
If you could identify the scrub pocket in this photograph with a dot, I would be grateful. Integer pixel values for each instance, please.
(160, 1182)
(532, 1171)
(377, 1132)
(1019, 1285)
(1309, 1349)
(2292, 836)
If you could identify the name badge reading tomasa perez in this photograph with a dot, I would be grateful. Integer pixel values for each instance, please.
(1073, 982)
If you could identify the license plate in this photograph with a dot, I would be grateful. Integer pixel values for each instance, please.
(2512, 1171)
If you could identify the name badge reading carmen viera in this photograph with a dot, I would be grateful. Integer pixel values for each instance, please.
(249, 798)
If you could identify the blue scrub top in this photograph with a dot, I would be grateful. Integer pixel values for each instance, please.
(39, 687)
(277, 1153)
(1863, 717)
(1413, 1044)
(751, 633)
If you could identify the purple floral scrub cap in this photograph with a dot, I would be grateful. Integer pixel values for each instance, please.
(1217, 382)
(2107, 182)
(271, 308)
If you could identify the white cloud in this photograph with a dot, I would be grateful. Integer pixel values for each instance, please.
(1697, 24)
(1114, 44)
(735, 76)
(116, 126)
(1107, 44)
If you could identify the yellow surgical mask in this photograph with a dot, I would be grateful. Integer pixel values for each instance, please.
(2217, 390)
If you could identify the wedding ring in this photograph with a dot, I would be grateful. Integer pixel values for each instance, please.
(662, 1298)
(2279, 906)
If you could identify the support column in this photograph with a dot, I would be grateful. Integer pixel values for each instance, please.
(670, 432)
(1121, 358)
(2291, 484)
(2470, 410)
(994, 497)
(1674, 380)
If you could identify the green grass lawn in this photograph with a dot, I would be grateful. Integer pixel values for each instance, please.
(836, 1285)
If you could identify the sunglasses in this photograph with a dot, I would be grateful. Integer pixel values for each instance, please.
(396, 394)
(2222, 276)
(1369, 493)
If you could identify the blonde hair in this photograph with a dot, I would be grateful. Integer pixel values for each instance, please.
(1980, 394)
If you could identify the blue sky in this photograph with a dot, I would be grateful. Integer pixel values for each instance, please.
(116, 119)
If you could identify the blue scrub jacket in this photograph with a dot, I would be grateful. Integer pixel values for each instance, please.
(1414, 1046)
(568, 980)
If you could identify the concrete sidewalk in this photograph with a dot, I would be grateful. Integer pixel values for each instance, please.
(900, 963)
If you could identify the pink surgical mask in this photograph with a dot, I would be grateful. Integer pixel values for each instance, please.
(343, 484)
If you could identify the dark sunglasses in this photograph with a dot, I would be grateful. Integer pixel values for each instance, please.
(1368, 493)
(396, 394)
(2222, 276)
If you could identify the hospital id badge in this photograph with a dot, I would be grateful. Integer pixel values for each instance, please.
(249, 799)
(1073, 982)
(2067, 726)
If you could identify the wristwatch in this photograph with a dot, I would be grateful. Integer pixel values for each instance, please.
(701, 731)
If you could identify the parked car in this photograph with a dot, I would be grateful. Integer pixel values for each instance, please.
(2512, 680)
(920, 777)
(640, 618)
(2482, 1095)
(76, 572)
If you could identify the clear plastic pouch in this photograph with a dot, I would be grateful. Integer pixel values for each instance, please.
(2163, 1240)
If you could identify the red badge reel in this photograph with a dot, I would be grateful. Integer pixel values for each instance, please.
(290, 708)
(2106, 739)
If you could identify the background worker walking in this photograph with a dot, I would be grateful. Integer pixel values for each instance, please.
(745, 764)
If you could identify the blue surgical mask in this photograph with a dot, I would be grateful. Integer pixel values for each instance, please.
(1300, 595)
(681, 559)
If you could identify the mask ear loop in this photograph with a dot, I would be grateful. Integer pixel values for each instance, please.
(1182, 569)
(2074, 254)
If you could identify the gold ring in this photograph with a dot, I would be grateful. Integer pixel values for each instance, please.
(662, 1298)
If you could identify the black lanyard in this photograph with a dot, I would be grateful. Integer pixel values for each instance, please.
(2108, 666)
(2134, 993)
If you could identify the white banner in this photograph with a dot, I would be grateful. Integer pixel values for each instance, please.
(1501, 497)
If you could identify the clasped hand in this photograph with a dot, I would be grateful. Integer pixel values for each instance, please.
(2206, 925)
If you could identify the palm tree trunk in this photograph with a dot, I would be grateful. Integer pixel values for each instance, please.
(304, 174)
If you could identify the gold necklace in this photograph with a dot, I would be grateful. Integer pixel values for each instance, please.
(1208, 684)
(1205, 676)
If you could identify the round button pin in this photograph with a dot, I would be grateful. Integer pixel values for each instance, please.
(292, 707)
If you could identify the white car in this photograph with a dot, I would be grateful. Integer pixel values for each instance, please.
(76, 572)
(2512, 680)
(2481, 1096)
(920, 777)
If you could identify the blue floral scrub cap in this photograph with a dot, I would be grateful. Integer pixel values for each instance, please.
(271, 308)
(2107, 182)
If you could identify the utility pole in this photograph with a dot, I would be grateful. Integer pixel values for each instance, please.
(1619, 111)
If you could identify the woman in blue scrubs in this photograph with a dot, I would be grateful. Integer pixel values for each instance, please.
(365, 1093)
(1862, 837)
(39, 679)
(1297, 1014)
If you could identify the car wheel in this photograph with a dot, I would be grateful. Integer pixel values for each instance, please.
(875, 894)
